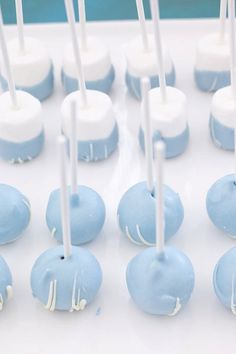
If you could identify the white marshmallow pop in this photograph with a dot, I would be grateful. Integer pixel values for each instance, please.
(97, 130)
(212, 65)
(31, 64)
(141, 59)
(98, 70)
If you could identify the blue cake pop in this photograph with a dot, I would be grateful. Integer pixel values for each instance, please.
(87, 209)
(65, 279)
(14, 213)
(136, 210)
(221, 204)
(160, 279)
(224, 280)
(5, 283)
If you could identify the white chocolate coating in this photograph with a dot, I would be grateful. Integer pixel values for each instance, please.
(96, 60)
(144, 63)
(211, 54)
(21, 124)
(31, 67)
(93, 122)
(223, 107)
(169, 118)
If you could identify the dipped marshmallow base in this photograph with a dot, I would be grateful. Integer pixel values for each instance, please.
(212, 67)
(87, 215)
(222, 119)
(66, 284)
(14, 213)
(168, 120)
(224, 280)
(221, 204)
(136, 214)
(98, 70)
(32, 69)
(97, 130)
(5, 283)
(142, 62)
(21, 128)
(160, 283)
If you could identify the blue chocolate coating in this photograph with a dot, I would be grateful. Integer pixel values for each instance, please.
(87, 215)
(160, 284)
(221, 204)
(21, 152)
(5, 281)
(175, 146)
(224, 280)
(14, 213)
(222, 136)
(134, 83)
(72, 280)
(70, 84)
(42, 90)
(100, 149)
(137, 217)
(211, 81)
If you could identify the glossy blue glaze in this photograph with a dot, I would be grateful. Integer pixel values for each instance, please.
(224, 280)
(21, 152)
(87, 215)
(14, 213)
(41, 91)
(5, 282)
(136, 214)
(211, 81)
(221, 204)
(70, 84)
(77, 278)
(175, 146)
(160, 284)
(222, 136)
(134, 83)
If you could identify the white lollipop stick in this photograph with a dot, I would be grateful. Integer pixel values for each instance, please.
(73, 148)
(11, 84)
(64, 198)
(80, 73)
(159, 52)
(20, 24)
(160, 236)
(142, 22)
(82, 22)
(145, 87)
(223, 12)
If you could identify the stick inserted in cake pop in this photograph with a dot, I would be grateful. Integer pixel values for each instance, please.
(75, 43)
(159, 195)
(142, 22)
(159, 52)
(223, 14)
(82, 22)
(20, 24)
(64, 199)
(73, 149)
(10, 80)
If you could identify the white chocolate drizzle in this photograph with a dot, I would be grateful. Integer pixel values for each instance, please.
(51, 304)
(177, 307)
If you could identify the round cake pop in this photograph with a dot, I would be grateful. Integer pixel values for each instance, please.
(168, 106)
(97, 130)
(14, 213)
(224, 280)
(141, 59)
(5, 283)
(31, 64)
(160, 279)
(136, 211)
(223, 107)
(21, 128)
(66, 278)
(87, 209)
(98, 70)
(212, 70)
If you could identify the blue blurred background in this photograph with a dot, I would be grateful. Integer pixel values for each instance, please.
(53, 10)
